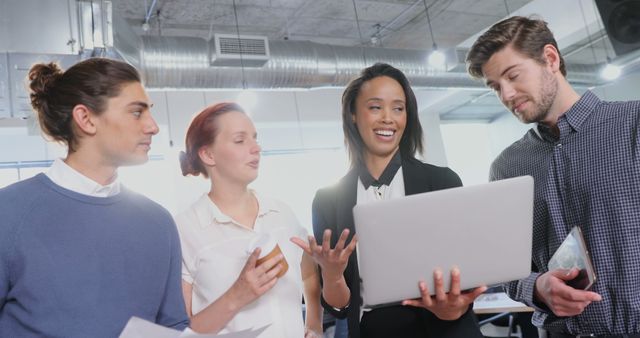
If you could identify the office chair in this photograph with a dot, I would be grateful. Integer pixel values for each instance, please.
(501, 325)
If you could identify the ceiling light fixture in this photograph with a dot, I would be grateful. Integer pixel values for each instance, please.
(145, 24)
(436, 59)
(610, 71)
(376, 38)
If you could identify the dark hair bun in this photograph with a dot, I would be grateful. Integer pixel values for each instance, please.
(41, 77)
(186, 165)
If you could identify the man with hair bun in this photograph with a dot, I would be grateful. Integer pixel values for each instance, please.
(80, 254)
(584, 154)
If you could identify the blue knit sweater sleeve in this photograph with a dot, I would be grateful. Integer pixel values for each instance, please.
(5, 252)
(13, 206)
(172, 311)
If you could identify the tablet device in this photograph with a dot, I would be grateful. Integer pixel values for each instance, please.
(573, 253)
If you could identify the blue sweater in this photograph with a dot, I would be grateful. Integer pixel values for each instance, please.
(73, 265)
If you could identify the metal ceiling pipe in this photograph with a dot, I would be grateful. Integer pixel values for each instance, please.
(184, 62)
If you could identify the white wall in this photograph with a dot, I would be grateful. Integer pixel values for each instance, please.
(565, 19)
(503, 132)
(16, 145)
(4, 26)
(468, 150)
(434, 152)
(472, 147)
(300, 133)
(625, 88)
(286, 120)
(42, 26)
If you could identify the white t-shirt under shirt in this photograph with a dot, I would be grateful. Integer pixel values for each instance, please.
(215, 249)
(395, 189)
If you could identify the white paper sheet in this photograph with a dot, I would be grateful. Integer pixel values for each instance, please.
(140, 328)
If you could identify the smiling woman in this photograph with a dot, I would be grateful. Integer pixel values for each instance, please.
(381, 117)
(383, 135)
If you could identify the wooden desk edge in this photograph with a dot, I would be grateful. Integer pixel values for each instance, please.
(503, 309)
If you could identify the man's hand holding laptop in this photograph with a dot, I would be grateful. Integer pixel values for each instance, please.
(445, 305)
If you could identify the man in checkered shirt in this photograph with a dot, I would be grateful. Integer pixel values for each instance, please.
(584, 155)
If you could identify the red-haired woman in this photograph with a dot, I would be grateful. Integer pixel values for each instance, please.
(226, 287)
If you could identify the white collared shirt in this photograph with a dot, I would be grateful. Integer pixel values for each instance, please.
(385, 192)
(65, 176)
(215, 249)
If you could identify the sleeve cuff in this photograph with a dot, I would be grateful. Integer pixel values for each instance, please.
(339, 313)
(526, 290)
(187, 278)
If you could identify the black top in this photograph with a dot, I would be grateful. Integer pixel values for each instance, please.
(332, 209)
(387, 174)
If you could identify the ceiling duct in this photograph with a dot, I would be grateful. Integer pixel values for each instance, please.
(184, 62)
(254, 62)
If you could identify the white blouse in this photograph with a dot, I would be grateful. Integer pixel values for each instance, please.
(385, 192)
(215, 248)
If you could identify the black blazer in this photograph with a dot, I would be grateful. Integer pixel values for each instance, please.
(332, 209)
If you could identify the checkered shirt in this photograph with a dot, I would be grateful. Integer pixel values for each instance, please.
(589, 176)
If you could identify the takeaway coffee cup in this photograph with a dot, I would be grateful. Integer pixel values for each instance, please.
(269, 248)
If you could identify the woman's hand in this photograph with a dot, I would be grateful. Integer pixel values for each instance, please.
(332, 261)
(254, 281)
(309, 333)
(446, 306)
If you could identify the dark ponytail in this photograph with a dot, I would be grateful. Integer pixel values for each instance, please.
(54, 122)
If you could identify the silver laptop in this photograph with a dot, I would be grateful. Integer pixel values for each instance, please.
(484, 229)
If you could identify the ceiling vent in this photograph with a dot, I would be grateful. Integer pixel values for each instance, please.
(239, 51)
